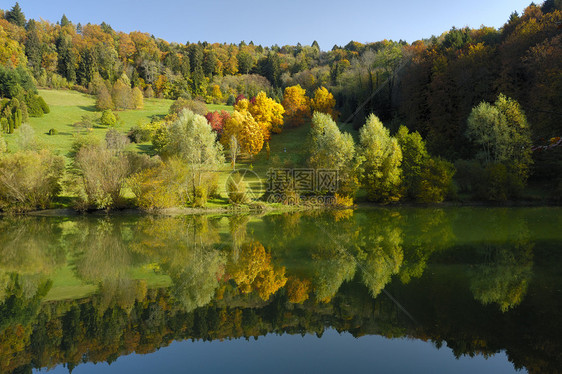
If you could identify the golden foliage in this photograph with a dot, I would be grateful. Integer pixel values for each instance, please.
(298, 290)
(296, 104)
(254, 271)
(268, 114)
(324, 102)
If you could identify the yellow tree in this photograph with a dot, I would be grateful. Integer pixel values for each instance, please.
(254, 271)
(248, 133)
(268, 114)
(296, 104)
(324, 102)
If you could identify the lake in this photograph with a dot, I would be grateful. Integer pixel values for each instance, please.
(456, 289)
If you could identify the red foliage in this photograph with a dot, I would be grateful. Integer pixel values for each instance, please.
(238, 98)
(217, 120)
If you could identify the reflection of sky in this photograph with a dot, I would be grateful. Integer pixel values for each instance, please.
(293, 353)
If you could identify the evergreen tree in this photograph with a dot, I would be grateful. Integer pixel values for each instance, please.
(16, 16)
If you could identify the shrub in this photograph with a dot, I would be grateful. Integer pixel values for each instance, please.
(115, 140)
(436, 181)
(200, 199)
(29, 180)
(162, 186)
(34, 105)
(103, 176)
(196, 106)
(231, 100)
(236, 189)
(53, 132)
(83, 141)
(108, 118)
(44, 105)
(3, 146)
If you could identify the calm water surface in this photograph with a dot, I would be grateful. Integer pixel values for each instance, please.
(403, 290)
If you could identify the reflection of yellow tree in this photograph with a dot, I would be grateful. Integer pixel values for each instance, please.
(297, 290)
(254, 270)
(122, 292)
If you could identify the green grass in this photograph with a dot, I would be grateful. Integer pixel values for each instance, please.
(68, 107)
(287, 150)
(67, 286)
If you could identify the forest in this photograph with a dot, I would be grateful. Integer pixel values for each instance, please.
(468, 115)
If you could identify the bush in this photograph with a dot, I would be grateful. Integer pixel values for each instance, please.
(108, 118)
(115, 140)
(196, 106)
(495, 182)
(101, 177)
(436, 181)
(29, 180)
(83, 141)
(236, 189)
(53, 132)
(162, 186)
(34, 108)
(139, 134)
(3, 146)
(231, 100)
(44, 105)
(200, 199)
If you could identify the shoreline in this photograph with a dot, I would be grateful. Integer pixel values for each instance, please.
(268, 209)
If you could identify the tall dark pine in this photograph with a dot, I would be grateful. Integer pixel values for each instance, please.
(16, 16)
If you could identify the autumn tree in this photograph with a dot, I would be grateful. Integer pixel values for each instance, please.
(382, 160)
(254, 271)
(296, 104)
(324, 102)
(138, 99)
(246, 130)
(122, 94)
(268, 114)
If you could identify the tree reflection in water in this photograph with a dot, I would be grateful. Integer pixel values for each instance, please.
(463, 273)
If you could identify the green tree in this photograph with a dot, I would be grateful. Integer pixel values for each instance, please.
(329, 148)
(192, 139)
(501, 135)
(108, 118)
(16, 16)
(414, 157)
(382, 160)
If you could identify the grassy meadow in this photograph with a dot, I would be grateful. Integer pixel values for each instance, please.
(67, 107)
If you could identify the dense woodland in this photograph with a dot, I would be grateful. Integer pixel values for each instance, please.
(486, 100)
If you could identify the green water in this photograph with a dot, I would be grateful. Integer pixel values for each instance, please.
(475, 289)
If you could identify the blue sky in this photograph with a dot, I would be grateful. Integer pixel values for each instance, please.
(279, 22)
